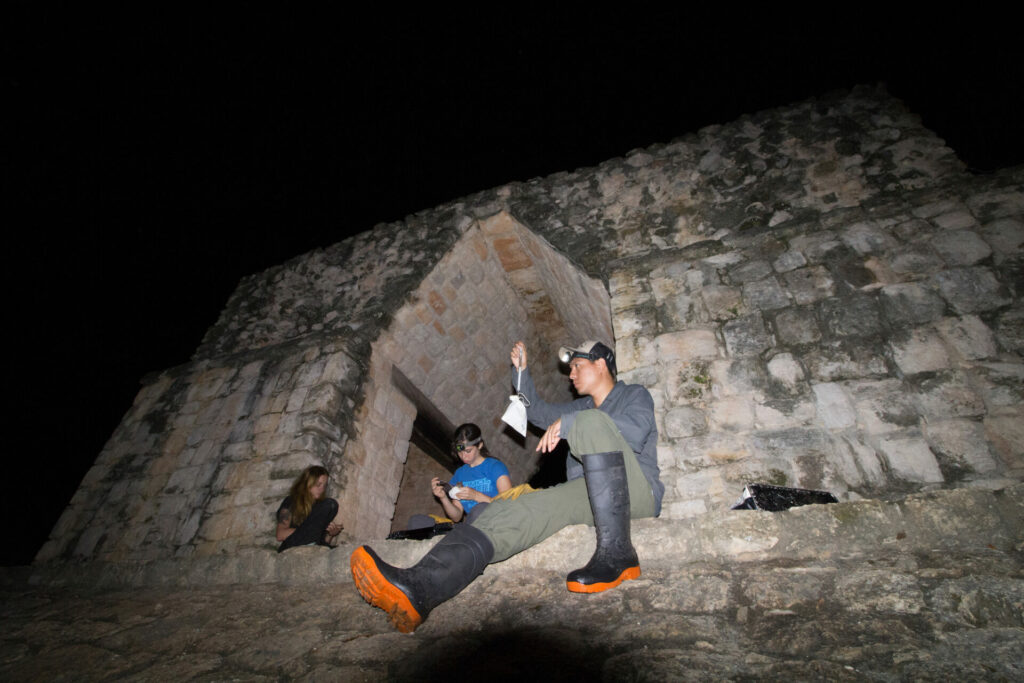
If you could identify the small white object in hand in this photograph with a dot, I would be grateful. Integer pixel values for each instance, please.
(454, 492)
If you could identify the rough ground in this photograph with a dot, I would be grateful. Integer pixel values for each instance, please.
(928, 588)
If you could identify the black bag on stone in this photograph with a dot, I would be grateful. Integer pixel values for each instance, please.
(777, 498)
(421, 534)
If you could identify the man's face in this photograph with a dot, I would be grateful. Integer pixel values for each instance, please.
(585, 374)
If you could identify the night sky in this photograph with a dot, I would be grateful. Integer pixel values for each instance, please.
(153, 158)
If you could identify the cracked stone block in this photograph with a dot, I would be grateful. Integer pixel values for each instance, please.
(765, 295)
(855, 316)
(807, 285)
(833, 405)
(911, 459)
(910, 303)
(746, 336)
(969, 336)
(961, 247)
(960, 445)
(969, 290)
(947, 394)
(918, 350)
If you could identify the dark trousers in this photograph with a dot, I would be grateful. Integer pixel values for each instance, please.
(313, 528)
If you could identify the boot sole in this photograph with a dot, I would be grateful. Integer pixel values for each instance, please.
(377, 591)
(627, 575)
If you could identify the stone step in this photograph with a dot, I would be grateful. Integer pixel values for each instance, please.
(956, 520)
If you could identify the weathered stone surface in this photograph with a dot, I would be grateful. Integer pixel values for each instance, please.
(1010, 330)
(685, 421)
(910, 304)
(947, 394)
(833, 242)
(855, 316)
(918, 350)
(968, 336)
(911, 459)
(970, 290)
(916, 261)
(960, 447)
(764, 295)
(808, 285)
(834, 407)
(786, 371)
(1006, 235)
(961, 247)
(843, 359)
(797, 325)
(917, 588)
(747, 335)
(691, 345)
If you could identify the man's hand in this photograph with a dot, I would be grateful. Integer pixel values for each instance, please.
(518, 355)
(551, 437)
(437, 489)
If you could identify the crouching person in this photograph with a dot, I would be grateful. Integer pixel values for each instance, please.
(612, 472)
(306, 516)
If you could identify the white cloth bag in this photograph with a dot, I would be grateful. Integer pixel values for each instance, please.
(515, 414)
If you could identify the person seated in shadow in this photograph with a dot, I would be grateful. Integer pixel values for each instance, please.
(306, 516)
(479, 479)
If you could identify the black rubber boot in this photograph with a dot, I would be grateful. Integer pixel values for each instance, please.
(408, 595)
(614, 560)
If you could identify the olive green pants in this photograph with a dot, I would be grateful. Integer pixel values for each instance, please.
(515, 525)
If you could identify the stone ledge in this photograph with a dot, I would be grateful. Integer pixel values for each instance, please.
(958, 519)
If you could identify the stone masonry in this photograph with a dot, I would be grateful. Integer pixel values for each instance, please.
(817, 296)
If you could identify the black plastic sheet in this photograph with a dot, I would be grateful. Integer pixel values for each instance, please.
(777, 498)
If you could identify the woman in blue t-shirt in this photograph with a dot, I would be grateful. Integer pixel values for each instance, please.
(478, 480)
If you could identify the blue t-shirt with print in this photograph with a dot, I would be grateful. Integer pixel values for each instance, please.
(484, 478)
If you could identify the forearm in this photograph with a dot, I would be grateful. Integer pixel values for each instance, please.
(451, 510)
(539, 412)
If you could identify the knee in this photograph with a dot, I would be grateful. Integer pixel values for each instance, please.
(330, 506)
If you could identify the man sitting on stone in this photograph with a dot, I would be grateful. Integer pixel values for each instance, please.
(612, 475)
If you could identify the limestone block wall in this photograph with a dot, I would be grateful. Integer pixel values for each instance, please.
(205, 455)
(872, 351)
(816, 295)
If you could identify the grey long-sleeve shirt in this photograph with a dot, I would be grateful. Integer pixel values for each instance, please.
(630, 407)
